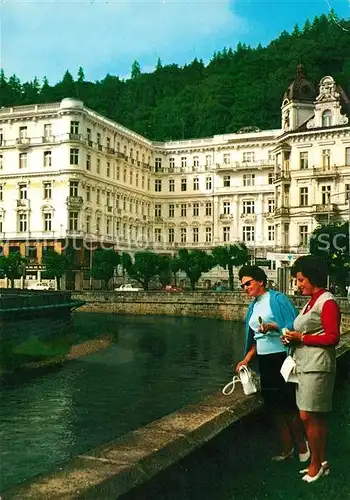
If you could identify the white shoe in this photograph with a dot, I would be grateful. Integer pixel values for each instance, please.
(326, 469)
(312, 479)
(280, 458)
(304, 457)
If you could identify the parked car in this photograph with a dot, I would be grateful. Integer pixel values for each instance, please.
(171, 288)
(128, 288)
(40, 285)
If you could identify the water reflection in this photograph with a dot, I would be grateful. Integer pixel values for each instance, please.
(154, 366)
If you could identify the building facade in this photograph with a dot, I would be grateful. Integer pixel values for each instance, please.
(70, 177)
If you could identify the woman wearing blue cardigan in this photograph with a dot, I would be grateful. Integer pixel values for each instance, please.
(269, 312)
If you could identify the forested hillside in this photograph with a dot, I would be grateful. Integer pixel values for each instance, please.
(237, 88)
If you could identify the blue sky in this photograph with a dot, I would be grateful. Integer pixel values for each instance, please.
(46, 37)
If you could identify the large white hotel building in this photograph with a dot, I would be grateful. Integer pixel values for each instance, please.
(70, 176)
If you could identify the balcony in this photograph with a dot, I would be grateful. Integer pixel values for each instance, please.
(248, 217)
(75, 201)
(23, 142)
(324, 212)
(75, 137)
(282, 176)
(282, 211)
(22, 203)
(110, 151)
(326, 171)
(269, 216)
(226, 216)
(158, 220)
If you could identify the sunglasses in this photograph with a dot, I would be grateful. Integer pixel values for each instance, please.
(247, 283)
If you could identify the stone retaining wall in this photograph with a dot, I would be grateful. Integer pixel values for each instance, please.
(217, 305)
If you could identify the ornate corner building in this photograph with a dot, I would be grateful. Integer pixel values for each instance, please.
(71, 178)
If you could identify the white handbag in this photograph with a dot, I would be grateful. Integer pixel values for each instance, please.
(246, 378)
(288, 370)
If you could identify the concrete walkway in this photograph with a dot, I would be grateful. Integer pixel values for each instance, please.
(114, 469)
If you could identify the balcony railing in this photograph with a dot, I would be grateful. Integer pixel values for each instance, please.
(75, 201)
(325, 171)
(282, 211)
(248, 217)
(325, 208)
(226, 216)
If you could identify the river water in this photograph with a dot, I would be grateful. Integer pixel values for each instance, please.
(154, 366)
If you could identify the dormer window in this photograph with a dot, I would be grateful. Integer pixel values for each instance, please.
(327, 118)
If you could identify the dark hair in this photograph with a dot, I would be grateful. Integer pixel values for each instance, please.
(313, 267)
(255, 272)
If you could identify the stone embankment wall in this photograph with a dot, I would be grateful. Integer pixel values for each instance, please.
(217, 305)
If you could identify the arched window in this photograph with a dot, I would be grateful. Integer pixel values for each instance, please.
(327, 118)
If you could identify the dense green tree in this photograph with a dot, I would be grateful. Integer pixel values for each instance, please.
(56, 265)
(331, 241)
(144, 267)
(194, 263)
(81, 75)
(104, 265)
(135, 69)
(12, 266)
(230, 256)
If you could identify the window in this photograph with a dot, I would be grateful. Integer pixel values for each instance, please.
(183, 184)
(196, 184)
(183, 210)
(171, 185)
(124, 175)
(208, 208)
(183, 235)
(249, 156)
(74, 127)
(47, 190)
(171, 235)
(271, 206)
(248, 233)
(249, 207)
(347, 156)
(303, 235)
(1, 230)
(208, 160)
(1, 162)
(195, 209)
(157, 210)
(271, 177)
(88, 162)
(98, 196)
(226, 207)
(158, 234)
(98, 140)
(326, 195)
(142, 182)
(304, 160)
(108, 144)
(226, 233)
(131, 174)
(73, 188)
(208, 183)
(195, 234)
(158, 164)
(23, 132)
(137, 180)
(118, 172)
(108, 169)
(303, 196)
(248, 179)
(108, 225)
(327, 118)
(347, 192)
(98, 166)
(171, 164)
(326, 158)
(227, 180)
(88, 136)
(23, 191)
(158, 185)
(47, 222)
(271, 233)
(183, 161)
(22, 160)
(47, 130)
(1, 193)
(88, 223)
(88, 193)
(74, 156)
(22, 226)
(171, 210)
(227, 158)
(208, 236)
(73, 221)
(196, 161)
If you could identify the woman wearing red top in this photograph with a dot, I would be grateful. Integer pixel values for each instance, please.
(316, 333)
